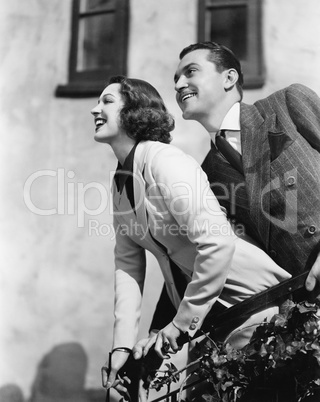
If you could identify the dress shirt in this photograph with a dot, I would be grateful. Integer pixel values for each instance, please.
(231, 124)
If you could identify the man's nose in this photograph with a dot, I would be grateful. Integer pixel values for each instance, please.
(180, 83)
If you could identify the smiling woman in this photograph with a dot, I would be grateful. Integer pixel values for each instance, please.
(121, 111)
(162, 202)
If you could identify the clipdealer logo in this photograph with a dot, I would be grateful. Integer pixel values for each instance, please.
(73, 198)
(70, 196)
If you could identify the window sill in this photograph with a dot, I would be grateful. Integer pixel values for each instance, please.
(253, 82)
(80, 90)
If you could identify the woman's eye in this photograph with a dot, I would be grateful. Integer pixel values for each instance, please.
(106, 100)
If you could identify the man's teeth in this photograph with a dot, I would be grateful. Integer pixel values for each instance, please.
(185, 97)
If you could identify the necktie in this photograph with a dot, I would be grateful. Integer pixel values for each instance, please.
(227, 150)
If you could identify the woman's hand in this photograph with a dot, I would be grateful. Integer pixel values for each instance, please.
(138, 350)
(165, 341)
(112, 379)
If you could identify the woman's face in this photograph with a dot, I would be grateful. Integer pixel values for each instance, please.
(106, 114)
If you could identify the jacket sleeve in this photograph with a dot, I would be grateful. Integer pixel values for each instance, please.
(304, 109)
(188, 197)
(130, 265)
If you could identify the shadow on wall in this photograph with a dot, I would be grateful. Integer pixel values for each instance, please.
(11, 393)
(60, 378)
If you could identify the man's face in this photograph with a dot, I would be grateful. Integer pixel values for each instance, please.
(200, 88)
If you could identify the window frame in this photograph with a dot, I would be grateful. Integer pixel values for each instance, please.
(253, 68)
(90, 83)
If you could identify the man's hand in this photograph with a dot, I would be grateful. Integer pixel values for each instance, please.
(314, 275)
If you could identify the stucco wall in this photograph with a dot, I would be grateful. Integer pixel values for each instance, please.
(56, 275)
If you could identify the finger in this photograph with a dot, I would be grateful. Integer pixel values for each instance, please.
(137, 351)
(111, 379)
(123, 391)
(311, 281)
(174, 345)
(104, 375)
(147, 347)
(127, 379)
(314, 275)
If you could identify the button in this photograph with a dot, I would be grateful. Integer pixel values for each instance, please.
(195, 319)
(291, 180)
(193, 326)
(273, 253)
(312, 230)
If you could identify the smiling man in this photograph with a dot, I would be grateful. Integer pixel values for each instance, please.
(277, 141)
(271, 184)
(206, 91)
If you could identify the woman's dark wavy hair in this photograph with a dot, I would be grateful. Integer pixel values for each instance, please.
(144, 115)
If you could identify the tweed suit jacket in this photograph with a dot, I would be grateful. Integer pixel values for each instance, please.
(278, 198)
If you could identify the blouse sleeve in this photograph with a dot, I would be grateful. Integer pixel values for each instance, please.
(130, 265)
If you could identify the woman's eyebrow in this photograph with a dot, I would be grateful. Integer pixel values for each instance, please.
(103, 97)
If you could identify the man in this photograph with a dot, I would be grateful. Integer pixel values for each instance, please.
(277, 196)
(275, 192)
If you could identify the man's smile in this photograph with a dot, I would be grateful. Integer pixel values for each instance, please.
(186, 95)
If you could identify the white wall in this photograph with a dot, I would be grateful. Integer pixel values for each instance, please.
(56, 278)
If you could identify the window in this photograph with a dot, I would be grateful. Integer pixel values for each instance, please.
(237, 25)
(98, 46)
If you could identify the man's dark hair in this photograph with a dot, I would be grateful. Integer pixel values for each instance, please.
(221, 56)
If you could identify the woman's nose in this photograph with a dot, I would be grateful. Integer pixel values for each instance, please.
(95, 110)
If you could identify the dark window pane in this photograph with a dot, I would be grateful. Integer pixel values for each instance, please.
(228, 26)
(96, 5)
(95, 42)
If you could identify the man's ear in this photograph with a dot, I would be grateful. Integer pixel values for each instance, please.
(231, 78)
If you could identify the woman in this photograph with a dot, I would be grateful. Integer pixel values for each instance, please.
(163, 203)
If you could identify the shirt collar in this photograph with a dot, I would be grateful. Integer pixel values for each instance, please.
(125, 171)
(231, 120)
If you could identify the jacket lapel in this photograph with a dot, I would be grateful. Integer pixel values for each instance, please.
(256, 164)
(219, 171)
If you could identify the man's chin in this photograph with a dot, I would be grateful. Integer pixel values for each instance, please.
(187, 115)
